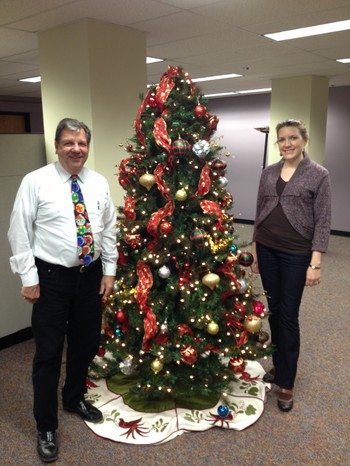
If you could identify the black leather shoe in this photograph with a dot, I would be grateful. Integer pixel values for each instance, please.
(269, 377)
(86, 411)
(47, 446)
(285, 399)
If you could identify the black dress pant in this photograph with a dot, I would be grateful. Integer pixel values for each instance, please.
(283, 276)
(69, 306)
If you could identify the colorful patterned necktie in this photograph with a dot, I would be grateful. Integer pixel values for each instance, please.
(84, 232)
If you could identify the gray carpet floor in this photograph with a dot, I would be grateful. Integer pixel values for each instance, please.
(315, 432)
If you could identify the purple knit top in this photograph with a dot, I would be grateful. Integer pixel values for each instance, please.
(306, 200)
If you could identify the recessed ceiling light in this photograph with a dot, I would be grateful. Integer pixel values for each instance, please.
(215, 78)
(153, 60)
(343, 60)
(35, 79)
(310, 31)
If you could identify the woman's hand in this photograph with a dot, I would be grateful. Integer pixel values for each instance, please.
(313, 277)
(255, 266)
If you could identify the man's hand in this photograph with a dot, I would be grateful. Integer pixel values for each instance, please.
(107, 285)
(31, 293)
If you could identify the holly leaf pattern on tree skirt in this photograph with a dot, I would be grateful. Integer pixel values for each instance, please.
(121, 423)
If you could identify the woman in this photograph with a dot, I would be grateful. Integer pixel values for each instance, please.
(291, 233)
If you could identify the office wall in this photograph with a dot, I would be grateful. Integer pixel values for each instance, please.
(238, 118)
(19, 154)
(338, 155)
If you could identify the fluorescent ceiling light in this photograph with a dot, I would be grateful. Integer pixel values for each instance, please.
(209, 78)
(343, 60)
(153, 60)
(222, 94)
(310, 31)
(253, 91)
(35, 79)
(215, 78)
(249, 91)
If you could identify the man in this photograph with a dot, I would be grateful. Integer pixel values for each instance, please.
(67, 267)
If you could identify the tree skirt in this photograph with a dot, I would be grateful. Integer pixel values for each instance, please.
(237, 409)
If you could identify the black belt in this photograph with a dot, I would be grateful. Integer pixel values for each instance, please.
(77, 268)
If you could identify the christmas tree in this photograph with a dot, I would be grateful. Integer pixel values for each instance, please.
(184, 317)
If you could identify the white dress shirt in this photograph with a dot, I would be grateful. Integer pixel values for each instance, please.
(42, 222)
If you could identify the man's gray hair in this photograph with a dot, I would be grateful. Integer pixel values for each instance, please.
(72, 125)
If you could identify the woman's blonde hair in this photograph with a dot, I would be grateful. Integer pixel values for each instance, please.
(297, 124)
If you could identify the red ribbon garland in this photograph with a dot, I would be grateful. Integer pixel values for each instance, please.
(211, 207)
(161, 135)
(123, 177)
(234, 324)
(226, 270)
(204, 182)
(129, 208)
(137, 123)
(165, 86)
(158, 173)
(168, 209)
(145, 283)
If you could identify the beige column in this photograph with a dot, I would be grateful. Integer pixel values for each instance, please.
(95, 72)
(303, 98)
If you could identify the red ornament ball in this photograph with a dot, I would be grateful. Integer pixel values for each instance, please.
(120, 316)
(132, 239)
(165, 227)
(101, 352)
(246, 259)
(261, 337)
(236, 365)
(258, 308)
(218, 165)
(200, 111)
(180, 147)
(189, 355)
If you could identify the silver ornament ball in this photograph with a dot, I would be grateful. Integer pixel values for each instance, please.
(164, 272)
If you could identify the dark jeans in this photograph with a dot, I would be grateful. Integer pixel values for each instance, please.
(283, 277)
(69, 304)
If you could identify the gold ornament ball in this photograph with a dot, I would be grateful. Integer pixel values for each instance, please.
(212, 328)
(147, 180)
(252, 324)
(181, 195)
(211, 280)
(157, 366)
